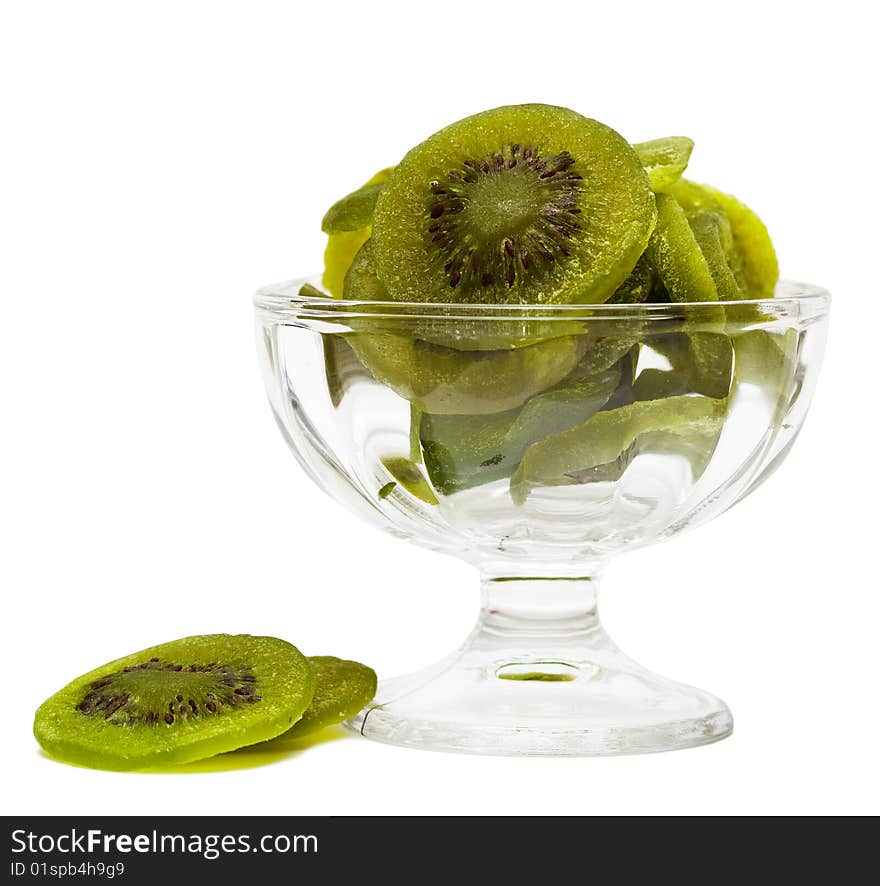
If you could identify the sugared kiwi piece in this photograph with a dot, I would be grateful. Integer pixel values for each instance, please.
(462, 451)
(408, 474)
(446, 381)
(637, 288)
(355, 211)
(348, 223)
(760, 268)
(520, 204)
(178, 702)
(714, 236)
(362, 283)
(342, 688)
(676, 257)
(687, 277)
(607, 435)
(664, 159)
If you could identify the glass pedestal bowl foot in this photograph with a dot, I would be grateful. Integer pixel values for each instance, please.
(536, 442)
(539, 676)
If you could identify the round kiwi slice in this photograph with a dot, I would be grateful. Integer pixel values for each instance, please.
(446, 381)
(520, 204)
(342, 688)
(348, 224)
(362, 283)
(178, 702)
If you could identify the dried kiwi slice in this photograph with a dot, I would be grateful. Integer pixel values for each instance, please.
(638, 287)
(607, 435)
(462, 451)
(760, 268)
(687, 277)
(355, 211)
(409, 475)
(676, 257)
(342, 688)
(362, 283)
(178, 702)
(520, 204)
(714, 237)
(345, 239)
(446, 381)
(665, 159)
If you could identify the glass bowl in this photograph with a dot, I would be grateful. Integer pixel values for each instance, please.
(536, 442)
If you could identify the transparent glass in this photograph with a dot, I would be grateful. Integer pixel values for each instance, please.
(536, 442)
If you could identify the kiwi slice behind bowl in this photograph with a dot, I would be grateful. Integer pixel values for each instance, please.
(520, 204)
(177, 702)
(342, 688)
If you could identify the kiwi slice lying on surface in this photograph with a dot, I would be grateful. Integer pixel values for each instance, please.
(520, 204)
(177, 702)
(342, 688)
(348, 224)
(664, 159)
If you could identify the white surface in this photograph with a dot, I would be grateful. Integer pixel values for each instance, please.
(161, 160)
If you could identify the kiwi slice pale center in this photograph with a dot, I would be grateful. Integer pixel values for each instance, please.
(163, 693)
(496, 219)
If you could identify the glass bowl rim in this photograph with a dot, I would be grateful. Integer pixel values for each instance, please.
(282, 300)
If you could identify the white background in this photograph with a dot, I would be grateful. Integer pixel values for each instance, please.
(160, 160)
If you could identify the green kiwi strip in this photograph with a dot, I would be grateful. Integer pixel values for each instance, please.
(664, 159)
(465, 451)
(604, 437)
(445, 381)
(409, 475)
(354, 211)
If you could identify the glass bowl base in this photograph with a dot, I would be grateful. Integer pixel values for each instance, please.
(542, 706)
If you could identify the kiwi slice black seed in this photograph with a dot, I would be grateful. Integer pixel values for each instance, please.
(177, 702)
(520, 204)
(362, 284)
(342, 688)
